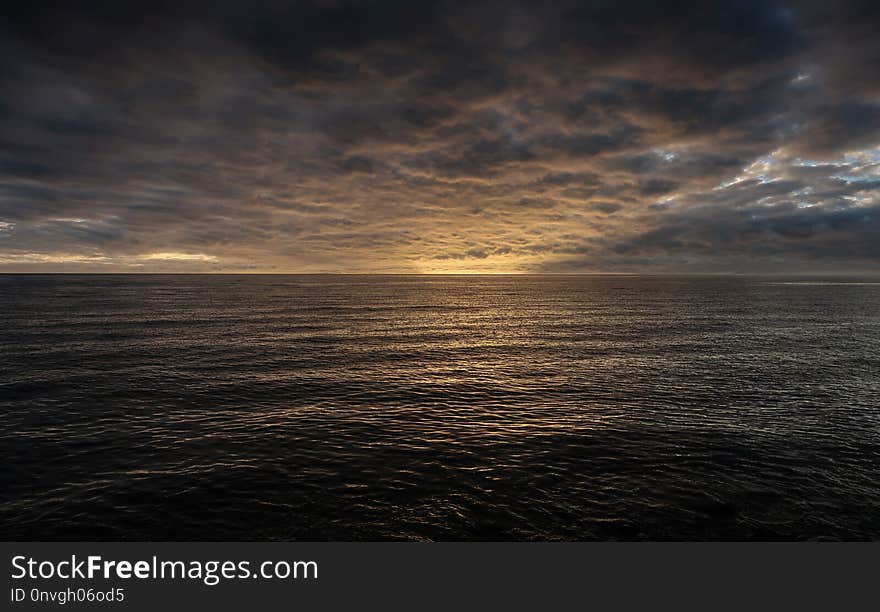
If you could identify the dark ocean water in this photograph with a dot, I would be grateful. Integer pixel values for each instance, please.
(450, 408)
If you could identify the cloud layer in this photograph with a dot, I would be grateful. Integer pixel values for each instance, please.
(392, 136)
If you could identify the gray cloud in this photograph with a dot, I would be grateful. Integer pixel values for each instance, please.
(432, 136)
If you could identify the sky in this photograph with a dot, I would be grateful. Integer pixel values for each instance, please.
(440, 137)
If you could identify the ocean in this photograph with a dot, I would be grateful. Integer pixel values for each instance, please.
(190, 407)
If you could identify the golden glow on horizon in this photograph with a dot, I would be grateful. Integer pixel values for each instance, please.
(178, 256)
(103, 259)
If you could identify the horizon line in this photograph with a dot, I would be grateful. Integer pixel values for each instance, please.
(799, 273)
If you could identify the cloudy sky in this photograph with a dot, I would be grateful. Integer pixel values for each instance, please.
(423, 136)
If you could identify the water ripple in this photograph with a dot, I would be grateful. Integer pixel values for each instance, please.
(424, 408)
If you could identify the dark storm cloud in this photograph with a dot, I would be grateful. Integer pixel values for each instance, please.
(398, 135)
(753, 234)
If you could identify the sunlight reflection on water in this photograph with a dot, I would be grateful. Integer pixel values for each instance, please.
(284, 407)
